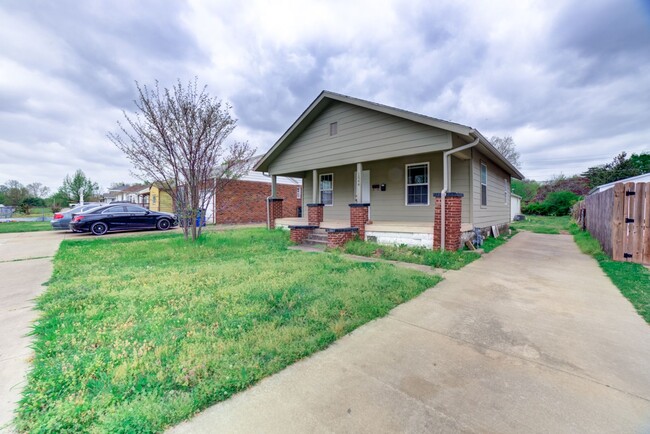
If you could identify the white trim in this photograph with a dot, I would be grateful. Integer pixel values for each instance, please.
(320, 175)
(406, 184)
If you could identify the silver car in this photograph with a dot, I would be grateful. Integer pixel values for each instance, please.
(61, 220)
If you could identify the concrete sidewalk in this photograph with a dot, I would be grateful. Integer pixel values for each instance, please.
(531, 338)
(21, 277)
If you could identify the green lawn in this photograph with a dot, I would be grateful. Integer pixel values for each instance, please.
(415, 255)
(543, 224)
(139, 333)
(9, 227)
(633, 280)
(34, 212)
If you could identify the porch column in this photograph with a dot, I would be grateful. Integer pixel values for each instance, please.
(314, 187)
(359, 218)
(357, 189)
(275, 210)
(315, 213)
(274, 183)
(453, 208)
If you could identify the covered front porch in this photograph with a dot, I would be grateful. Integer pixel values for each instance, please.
(390, 201)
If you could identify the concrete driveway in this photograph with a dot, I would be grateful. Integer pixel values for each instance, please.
(25, 264)
(531, 338)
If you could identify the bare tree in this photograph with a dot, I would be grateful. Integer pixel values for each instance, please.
(506, 146)
(36, 189)
(177, 140)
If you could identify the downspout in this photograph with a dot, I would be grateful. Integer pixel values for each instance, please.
(445, 184)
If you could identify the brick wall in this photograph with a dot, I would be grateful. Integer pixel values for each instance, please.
(298, 234)
(315, 213)
(338, 237)
(359, 218)
(245, 201)
(453, 209)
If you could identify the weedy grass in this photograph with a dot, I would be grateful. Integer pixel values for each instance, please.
(543, 224)
(633, 280)
(416, 255)
(10, 227)
(491, 243)
(139, 333)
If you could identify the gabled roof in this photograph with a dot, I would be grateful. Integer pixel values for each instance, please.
(326, 98)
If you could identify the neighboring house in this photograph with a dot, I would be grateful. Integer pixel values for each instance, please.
(376, 168)
(241, 200)
(160, 200)
(515, 205)
(639, 178)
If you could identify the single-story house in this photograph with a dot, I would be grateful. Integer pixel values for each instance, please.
(241, 200)
(380, 172)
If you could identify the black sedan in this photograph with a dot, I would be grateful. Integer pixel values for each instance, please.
(121, 217)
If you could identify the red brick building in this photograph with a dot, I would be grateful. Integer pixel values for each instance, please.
(244, 200)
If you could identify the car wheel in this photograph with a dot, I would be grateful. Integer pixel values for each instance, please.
(163, 224)
(99, 228)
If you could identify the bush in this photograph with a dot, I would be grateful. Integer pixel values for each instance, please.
(557, 203)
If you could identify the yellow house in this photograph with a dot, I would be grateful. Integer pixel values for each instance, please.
(160, 200)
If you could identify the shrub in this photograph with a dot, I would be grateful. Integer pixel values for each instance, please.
(557, 203)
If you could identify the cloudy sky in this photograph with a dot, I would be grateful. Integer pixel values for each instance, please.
(568, 80)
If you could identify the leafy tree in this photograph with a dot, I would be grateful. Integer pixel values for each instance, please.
(14, 193)
(526, 188)
(69, 191)
(506, 146)
(177, 140)
(620, 168)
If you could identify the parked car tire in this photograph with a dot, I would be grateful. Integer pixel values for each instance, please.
(99, 228)
(163, 224)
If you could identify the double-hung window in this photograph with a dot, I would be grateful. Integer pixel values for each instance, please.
(326, 182)
(417, 184)
(483, 184)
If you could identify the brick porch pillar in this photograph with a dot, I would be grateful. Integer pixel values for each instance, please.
(315, 213)
(453, 208)
(275, 210)
(359, 218)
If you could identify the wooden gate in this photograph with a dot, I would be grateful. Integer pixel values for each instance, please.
(620, 219)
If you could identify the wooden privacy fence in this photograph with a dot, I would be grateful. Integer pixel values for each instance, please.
(620, 219)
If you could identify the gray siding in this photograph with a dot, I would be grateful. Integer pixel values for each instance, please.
(390, 205)
(497, 210)
(363, 135)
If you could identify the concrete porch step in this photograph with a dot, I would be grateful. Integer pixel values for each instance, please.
(315, 241)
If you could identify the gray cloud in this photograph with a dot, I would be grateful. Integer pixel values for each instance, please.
(569, 80)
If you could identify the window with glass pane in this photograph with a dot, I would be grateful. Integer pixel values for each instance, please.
(483, 185)
(327, 189)
(417, 184)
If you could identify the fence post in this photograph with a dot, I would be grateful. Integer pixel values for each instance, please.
(637, 228)
(618, 222)
(646, 226)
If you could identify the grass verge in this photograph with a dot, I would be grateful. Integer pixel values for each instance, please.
(11, 227)
(491, 243)
(415, 255)
(633, 280)
(139, 333)
(543, 224)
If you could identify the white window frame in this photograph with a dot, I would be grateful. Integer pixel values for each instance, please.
(299, 193)
(320, 191)
(407, 185)
(334, 128)
(506, 189)
(484, 205)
